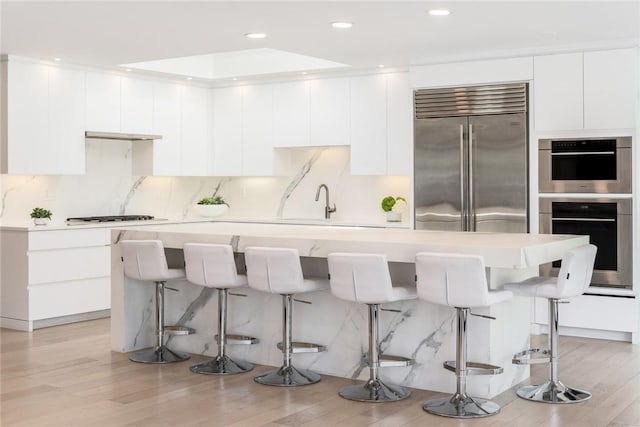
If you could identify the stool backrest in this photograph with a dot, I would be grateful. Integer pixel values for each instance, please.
(144, 259)
(210, 265)
(362, 278)
(456, 280)
(576, 270)
(275, 270)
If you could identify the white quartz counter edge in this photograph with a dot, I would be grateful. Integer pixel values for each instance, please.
(501, 250)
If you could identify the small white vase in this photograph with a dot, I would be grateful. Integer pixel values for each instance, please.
(394, 216)
(41, 221)
(210, 211)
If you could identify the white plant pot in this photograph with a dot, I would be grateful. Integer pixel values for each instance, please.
(394, 216)
(41, 221)
(210, 211)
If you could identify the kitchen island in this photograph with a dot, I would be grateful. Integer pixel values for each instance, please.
(417, 329)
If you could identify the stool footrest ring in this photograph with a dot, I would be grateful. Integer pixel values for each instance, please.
(526, 357)
(178, 330)
(304, 347)
(474, 368)
(233, 339)
(389, 361)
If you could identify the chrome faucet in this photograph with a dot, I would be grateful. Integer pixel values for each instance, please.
(328, 210)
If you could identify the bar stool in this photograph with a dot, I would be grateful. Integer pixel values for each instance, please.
(573, 279)
(145, 260)
(278, 270)
(365, 278)
(213, 266)
(459, 281)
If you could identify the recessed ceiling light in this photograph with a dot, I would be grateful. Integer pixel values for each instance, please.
(128, 70)
(342, 25)
(439, 12)
(380, 65)
(255, 35)
(234, 79)
(57, 59)
(303, 73)
(189, 78)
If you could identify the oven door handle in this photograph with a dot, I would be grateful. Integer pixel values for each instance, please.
(584, 153)
(585, 219)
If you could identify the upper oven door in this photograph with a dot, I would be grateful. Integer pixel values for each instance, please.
(588, 165)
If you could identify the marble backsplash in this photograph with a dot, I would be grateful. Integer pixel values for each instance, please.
(110, 188)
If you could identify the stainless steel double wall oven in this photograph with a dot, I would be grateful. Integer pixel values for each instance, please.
(599, 168)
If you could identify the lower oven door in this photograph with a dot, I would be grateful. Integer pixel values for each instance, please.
(608, 224)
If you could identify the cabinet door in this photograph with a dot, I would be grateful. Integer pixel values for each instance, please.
(195, 130)
(399, 125)
(610, 89)
(329, 112)
(558, 92)
(103, 102)
(257, 130)
(167, 153)
(369, 125)
(64, 152)
(227, 131)
(291, 114)
(28, 117)
(136, 114)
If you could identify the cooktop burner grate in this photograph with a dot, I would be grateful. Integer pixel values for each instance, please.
(110, 218)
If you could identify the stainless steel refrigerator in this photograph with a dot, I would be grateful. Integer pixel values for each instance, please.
(470, 159)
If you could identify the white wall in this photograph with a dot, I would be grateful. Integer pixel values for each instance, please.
(109, 188)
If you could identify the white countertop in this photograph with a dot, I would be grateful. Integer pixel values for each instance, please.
(503, 250)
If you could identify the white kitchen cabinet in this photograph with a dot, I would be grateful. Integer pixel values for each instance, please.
(291, 114)
(227, 131)
(53, 276)
(329, 112)
(195, 125)
(399, 125)
(44, 117)
(558, 92)
(257, 131)
(136, 105)
(610, 89)
(368, 125)
(103, 102)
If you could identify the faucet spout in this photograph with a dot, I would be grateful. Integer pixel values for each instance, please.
(328, 210)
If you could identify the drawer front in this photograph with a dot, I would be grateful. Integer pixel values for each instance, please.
(68, 264)
(61, 239)
(67, 298)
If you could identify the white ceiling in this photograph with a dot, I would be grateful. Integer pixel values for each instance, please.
(394, 33)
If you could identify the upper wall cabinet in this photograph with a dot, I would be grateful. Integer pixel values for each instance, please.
(380, 125)
(257, 130)
(227, 131)
(43, 131)
(196, 128)
(291, 114)
(103, 102)
(329, 112)
(136, 106)
(590, 90)
(610, 89)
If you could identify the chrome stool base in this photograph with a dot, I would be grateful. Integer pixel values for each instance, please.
(159, 355)
(461, 406)
(288, 376)
(221, 365)
(553, 392)
(374, 391)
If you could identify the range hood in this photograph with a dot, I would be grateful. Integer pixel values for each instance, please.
(120, 136)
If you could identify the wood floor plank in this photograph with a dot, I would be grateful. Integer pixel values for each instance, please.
(67, 376)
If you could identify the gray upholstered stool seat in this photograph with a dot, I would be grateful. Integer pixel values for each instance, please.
(145, 260)
(213, 266)
(278, 270)
(573, 279)
(365, 278)
(459, 281)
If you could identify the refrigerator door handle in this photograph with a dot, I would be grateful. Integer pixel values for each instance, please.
(472, 208)
(463, 207)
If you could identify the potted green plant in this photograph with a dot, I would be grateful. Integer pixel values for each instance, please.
(211, 206)
(41, 216)
(393, 206)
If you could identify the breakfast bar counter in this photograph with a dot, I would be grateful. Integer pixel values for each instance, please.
(416, 329)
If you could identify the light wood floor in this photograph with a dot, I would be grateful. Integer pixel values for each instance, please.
(66, 376)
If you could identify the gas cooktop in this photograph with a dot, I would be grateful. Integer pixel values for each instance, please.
(111, 218)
